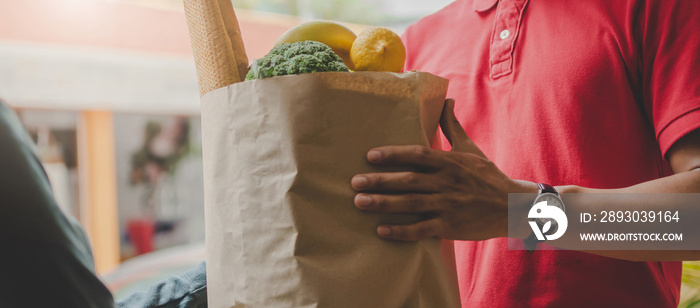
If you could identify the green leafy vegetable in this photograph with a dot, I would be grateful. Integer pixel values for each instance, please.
(296, 58)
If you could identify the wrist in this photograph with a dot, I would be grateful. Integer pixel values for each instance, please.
(525, 187)
(520, 200)
(569, 189)
(522, 195)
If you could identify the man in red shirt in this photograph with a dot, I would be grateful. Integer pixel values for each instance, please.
(588, 96)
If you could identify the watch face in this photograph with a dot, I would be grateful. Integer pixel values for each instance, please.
(552, 200)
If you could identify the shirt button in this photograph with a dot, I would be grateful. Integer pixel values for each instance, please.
(504, 34)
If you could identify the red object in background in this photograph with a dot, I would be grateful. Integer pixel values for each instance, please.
(141, 235)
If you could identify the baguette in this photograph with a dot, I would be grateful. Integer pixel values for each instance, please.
(217, 46)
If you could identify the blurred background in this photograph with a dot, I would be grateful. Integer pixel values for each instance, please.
(108, 91)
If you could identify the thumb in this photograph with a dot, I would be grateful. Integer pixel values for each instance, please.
(454, 131)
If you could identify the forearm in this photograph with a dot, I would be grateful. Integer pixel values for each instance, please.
(684, 182)
(632, 198)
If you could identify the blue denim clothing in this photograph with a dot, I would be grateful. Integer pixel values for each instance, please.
(46, 259)
(186, 291)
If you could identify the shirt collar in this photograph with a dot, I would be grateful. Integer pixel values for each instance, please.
(483, 5)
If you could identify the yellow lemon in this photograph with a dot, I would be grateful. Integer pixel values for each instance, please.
(336, 36)
(378, 49)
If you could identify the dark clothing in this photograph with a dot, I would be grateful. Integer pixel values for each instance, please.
(46, 259)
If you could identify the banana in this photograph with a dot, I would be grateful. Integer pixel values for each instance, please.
(336, 36)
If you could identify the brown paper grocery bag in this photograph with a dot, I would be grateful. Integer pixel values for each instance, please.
(281, 227)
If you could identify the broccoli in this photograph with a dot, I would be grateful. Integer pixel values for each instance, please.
(296, 58)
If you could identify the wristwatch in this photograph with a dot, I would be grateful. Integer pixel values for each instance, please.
(549, 194)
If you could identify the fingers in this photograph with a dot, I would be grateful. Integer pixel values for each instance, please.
(454, 132)
(408, 203)
(395, 182)
(407, 155)
(413, 232)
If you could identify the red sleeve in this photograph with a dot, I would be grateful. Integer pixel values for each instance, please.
(670, 53)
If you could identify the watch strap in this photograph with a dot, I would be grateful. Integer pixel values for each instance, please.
(531, 241)
(546, 188)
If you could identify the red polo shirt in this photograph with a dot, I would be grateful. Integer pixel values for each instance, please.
(591, 93)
